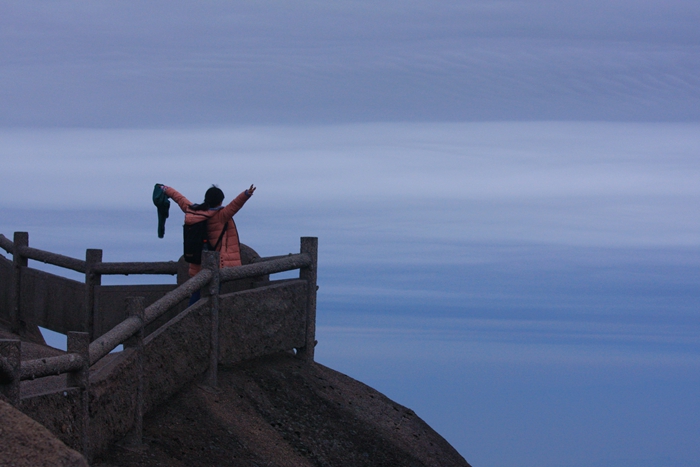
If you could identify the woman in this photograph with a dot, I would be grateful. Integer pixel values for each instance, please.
(217, 216)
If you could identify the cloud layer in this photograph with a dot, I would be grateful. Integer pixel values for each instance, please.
(101, 64)
(549, 183)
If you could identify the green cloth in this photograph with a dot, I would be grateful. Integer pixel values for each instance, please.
(160, 199)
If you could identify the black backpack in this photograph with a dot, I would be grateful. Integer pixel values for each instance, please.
(196, 239)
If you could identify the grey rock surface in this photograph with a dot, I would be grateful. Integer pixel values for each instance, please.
(26, 443)
(279, 411)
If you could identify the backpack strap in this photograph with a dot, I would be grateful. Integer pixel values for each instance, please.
(223, 231)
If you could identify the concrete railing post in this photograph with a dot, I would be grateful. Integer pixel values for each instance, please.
(79, 343)
(309, 245)
(135, 307)
(183, 271)
(92, 280)
(10, 364)
(21, 239)
(210, 260)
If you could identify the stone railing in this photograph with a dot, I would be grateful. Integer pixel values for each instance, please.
(62, 304)
(104, 400)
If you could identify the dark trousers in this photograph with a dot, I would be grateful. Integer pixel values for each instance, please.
(194, 298)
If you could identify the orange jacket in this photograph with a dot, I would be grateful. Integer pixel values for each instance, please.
(229, 247)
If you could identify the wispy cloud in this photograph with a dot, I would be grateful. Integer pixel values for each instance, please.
(556, 183)
(135, 65)
(472, 342)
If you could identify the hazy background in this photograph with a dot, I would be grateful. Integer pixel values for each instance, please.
(505, 193)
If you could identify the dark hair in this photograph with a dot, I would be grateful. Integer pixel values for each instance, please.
(213, 197)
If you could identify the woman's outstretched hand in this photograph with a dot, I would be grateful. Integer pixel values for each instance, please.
(250, 190)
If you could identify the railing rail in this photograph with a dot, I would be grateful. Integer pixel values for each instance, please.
(79, 265)
(155, 268)
(261, 268)
(50, 366)
(130, 326)
(7, 244)
(267, 265)
(55, 259)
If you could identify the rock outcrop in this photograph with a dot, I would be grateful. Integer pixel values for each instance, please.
(26, 443)
(279, 411)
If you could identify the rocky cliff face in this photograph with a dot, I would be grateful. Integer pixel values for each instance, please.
(272, 411)
(278, 411)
